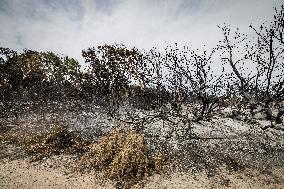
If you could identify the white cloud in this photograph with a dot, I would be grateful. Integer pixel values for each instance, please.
(70, 26)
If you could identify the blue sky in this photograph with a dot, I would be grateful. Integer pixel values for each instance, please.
(68, 26)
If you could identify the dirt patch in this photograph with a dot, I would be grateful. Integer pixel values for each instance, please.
(24, 174)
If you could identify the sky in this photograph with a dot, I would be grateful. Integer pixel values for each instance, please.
(69, 26)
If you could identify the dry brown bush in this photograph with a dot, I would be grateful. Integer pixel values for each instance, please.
(123, 156)
(102, 153)
(132, 159)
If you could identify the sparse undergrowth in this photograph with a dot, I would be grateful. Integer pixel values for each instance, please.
(123, 156)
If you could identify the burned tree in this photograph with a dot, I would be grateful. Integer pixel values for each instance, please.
(205, 85)
(193, 82)
(237, 55)
(269, 57)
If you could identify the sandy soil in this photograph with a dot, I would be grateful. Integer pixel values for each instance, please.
(26, 175)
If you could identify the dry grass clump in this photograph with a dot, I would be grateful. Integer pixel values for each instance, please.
(57, 140)
(102, 153)
(132, 159)
(123, 156)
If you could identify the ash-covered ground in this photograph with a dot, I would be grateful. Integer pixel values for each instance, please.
(219, 153)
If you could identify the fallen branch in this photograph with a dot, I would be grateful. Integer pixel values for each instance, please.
(272, 126)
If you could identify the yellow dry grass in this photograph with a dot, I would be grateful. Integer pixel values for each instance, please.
(39, 145)
(122, 155)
